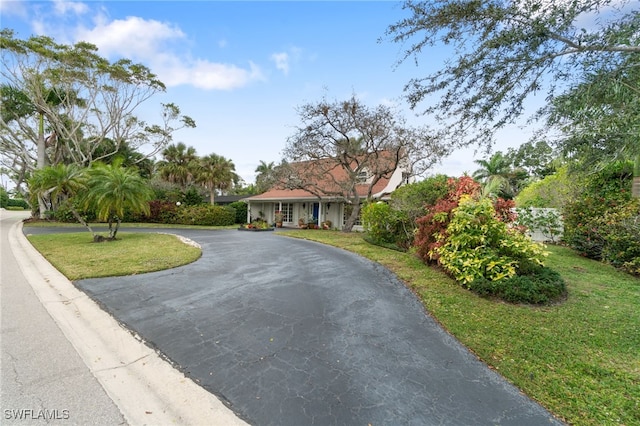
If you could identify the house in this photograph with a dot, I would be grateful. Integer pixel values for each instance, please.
(322, 196)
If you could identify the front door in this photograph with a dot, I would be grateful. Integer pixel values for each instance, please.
(316, 212)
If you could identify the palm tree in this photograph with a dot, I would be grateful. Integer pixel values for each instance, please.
(178, 164)
(264, 178)
(60, 183)
(216, 173)
(498, 176)
(112, 189)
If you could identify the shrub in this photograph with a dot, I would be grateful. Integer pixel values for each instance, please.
(553, 191)
(63, 214)
(192, 197)
(479, 246)
(161, 212)
(619, 231)
(387, 226)
(241, 211)
(206, 214)
(4, 198)
(431, 229)
(17, 203)
(599, 224)
(414, 198)
(540, 286)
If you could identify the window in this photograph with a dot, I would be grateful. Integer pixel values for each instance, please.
(363, 176)
(287, 211)
(348, 208)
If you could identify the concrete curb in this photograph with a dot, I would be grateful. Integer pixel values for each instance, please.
(145, 387)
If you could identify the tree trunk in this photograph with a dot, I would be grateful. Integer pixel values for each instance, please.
(82, 221)
(115, 231)
(635, 185)
(348, 226)
(42, 161)
(211, 196)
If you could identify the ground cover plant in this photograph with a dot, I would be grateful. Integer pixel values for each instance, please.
(77, 257)
(578, 358)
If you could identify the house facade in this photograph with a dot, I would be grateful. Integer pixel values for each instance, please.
(300, 207)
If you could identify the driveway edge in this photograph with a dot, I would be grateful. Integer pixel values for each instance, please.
(145, 387)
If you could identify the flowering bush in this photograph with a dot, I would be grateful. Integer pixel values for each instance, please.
(478, 245)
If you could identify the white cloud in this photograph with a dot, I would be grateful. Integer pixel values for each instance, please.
(282, 61)
(14, 8)
(132, 37)
(61, 7)
(209, 75)
(155, 44)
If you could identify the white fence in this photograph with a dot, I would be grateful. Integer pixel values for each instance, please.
(545, 224)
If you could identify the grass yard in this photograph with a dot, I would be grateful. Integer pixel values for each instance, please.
(78, 257)
(580, 358)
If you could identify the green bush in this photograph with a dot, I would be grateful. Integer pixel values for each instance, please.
(539, 286)
(602, 223)
(206, 215)
(387, 226)
(241, 211)
(619, 230)
(63, 214)
(553, 191)
(17, 203)
(192, 197)
(4, 198)
(479, 246)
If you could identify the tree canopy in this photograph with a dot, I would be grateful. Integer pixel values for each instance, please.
(79, 99)
(348, 144)
(505, 51)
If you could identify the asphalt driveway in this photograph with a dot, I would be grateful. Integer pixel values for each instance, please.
(292, 332)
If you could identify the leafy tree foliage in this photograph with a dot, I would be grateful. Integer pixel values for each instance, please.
(554, 191)
(60, 184)
(112, 190)
(344, 145)
(178, 164)
(265, 178)
(80, 99)
(599, 118)
(215, 173)
(602, 222)
(499, 176)
(507, 50)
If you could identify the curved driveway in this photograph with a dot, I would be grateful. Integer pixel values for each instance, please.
(292, 332)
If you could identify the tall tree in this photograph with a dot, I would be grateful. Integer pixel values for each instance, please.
(265, 176)
(178, 164)
(499, 176)
(504, 52)
(599, 117)
(81, 98)
(215, 172)
(342, 145)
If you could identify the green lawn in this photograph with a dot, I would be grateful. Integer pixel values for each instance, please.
(78, 257)
(579, 358)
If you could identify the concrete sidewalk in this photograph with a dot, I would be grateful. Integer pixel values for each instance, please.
(65, 361)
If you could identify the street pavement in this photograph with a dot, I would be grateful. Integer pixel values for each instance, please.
(292, 332)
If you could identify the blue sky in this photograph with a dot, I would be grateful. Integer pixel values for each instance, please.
(240, 69)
